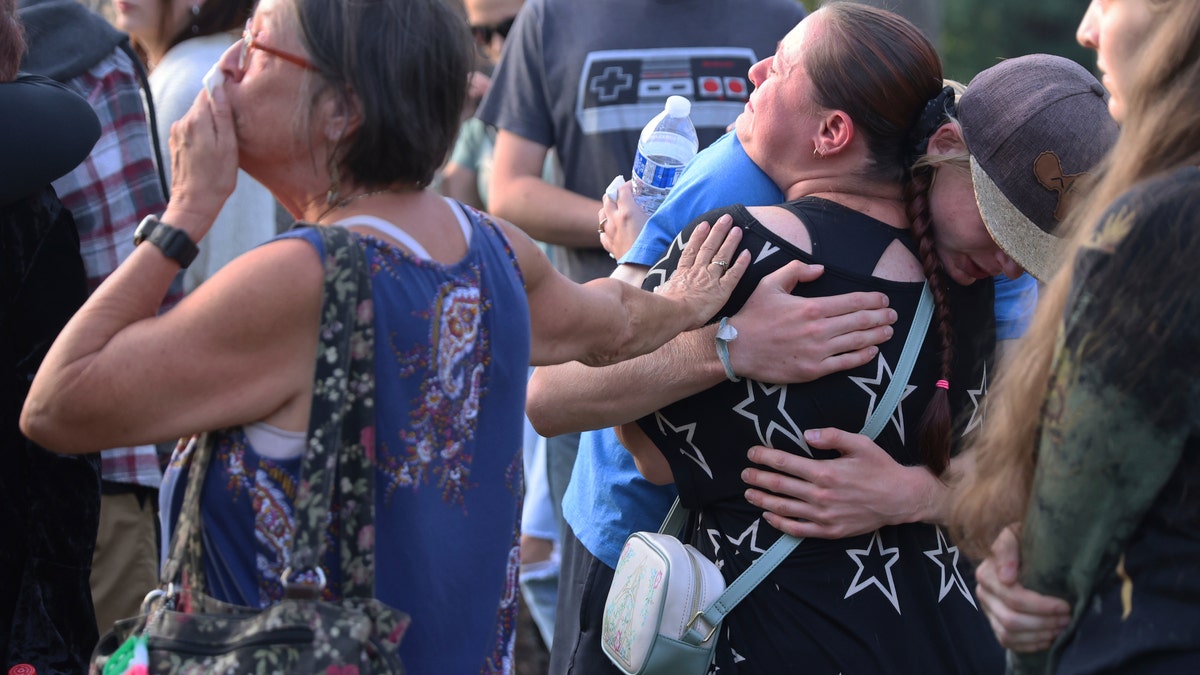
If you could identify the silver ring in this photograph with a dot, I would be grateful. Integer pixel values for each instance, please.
(720, 263)
(603, 220)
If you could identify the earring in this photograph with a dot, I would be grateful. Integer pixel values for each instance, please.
(335, 190)
(817, 153)
(195, 13)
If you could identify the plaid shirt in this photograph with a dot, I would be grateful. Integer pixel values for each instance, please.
(109, 194)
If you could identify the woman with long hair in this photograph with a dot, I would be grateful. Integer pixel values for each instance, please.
(1090, 445)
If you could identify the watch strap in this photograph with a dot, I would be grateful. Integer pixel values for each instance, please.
(723, 351)
(172, 241)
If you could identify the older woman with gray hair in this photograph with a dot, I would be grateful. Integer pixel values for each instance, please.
(344, 110)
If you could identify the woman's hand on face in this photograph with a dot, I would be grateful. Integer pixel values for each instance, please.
(1024, 621)
(622, 221)
(707, 271)
(204, 161)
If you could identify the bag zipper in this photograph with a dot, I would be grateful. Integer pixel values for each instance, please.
(697, 586)
(297, 635)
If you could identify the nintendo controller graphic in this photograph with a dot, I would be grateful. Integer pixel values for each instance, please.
(622, 89)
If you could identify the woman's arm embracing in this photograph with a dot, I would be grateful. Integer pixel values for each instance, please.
(605, 321)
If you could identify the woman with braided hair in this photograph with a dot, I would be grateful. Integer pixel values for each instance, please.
(899, 586)
(897, 598)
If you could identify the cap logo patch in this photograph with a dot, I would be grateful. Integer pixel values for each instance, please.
(1049, 172)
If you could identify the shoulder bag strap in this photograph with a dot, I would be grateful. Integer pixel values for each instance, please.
(337, 466)
(340, 443)
(185, 563)
(767, 562)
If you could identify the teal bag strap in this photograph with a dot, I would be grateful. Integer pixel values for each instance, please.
(675, 520)
(767, 562)
(908, 358)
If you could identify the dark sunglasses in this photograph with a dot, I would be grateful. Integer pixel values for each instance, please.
(484, 34)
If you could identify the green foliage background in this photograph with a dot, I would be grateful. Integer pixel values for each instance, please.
(976, 34)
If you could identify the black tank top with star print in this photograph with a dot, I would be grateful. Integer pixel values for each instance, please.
(897, 600)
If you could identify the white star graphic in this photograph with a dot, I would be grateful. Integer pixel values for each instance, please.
(792, 431)
(687, 431)
(977, 396)
(863, 382)
(859, 583)
(659, 271)
(768, 250)
(716, 538)
(946, 558)
(751, 532)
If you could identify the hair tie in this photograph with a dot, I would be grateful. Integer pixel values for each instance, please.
(937, 110)
(943, 384)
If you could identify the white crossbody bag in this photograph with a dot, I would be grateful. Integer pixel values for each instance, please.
(667, 601)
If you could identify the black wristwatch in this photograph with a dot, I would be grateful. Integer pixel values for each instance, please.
(172, 241)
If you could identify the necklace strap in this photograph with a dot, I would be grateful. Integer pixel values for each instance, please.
(343, 203)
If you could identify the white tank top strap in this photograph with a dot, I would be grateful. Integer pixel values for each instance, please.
(463, 221)
(390, 230)
(274, 443)
(405, 238)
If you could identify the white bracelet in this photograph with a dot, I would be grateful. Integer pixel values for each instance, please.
(726, 334)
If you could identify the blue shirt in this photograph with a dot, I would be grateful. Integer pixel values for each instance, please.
(1015, 301)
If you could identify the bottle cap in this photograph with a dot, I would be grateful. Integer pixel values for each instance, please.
(678, 106)
(615, 185)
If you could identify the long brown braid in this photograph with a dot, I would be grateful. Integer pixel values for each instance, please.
(934, 430)
(882, 71)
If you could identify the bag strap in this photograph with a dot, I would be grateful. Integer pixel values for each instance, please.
(767, 562)
(340, 430)
(185, 563)
(338, 451)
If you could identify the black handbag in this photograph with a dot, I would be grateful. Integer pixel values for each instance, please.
(184, 630)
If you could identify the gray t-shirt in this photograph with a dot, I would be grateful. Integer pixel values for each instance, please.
(586, 77)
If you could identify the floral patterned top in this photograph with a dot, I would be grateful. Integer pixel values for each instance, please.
(451, 356)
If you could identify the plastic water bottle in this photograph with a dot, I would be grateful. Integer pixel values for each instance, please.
(666, 146)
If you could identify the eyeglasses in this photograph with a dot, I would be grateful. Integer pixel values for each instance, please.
(248, 43)
(484, 34)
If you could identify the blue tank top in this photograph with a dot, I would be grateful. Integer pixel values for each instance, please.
(452, 350)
